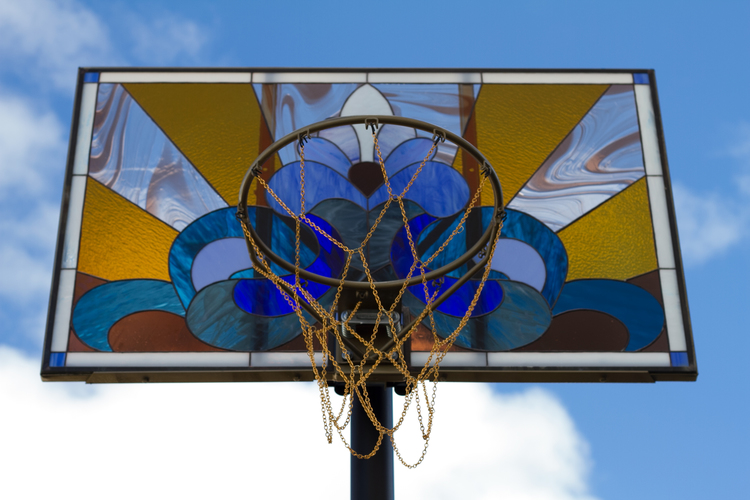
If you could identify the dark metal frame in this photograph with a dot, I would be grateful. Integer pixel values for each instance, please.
(108, 374)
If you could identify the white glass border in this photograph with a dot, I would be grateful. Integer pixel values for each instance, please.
(173, 77)
(657, 194)
(283, 359)
(413, 77)
(63, 310)
(301, 77)
(75, 219)
(670, 291)
(647, 124)
(85, 126)
(578, 359)
(157, 359)
(558, 78)
(451, 359)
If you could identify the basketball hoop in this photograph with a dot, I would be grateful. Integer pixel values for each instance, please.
(364, 304)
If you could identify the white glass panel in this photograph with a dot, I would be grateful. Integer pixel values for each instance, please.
(578, 359)
(671, 293)
(589, 78)
(61, 328)
(451, 359)
(85, 124)
(647, 122)
(424, 78)
(309, 77)
(662, 233)
(283, 359)
(157, 359)
(195, 77)
(73, 226)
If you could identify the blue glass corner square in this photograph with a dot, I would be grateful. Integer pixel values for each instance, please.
(679, 358)
(91, 78)
(641, 78)
(57, 359)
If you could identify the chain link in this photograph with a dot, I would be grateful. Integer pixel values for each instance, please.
(355, 381)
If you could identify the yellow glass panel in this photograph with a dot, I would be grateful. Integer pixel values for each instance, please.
(518, 126)
(121, 241)
(615, 240)
(217, 126)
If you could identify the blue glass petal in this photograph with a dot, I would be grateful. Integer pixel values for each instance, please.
(345, 138)
(407, 153)
(214, 318)
(327, 153)
(261, 297)
(525, 228)
(390, 136)
(522, 318)
(223, 224)
(103, 306)
(637, 309)
(219, 260)
(321, 183)
(439, 189)
(458, 302)
(532, 242)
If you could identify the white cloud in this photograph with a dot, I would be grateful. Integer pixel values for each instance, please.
(487, 446)
(265, 441)
(31, 147)
(32, 157)
(26, 251)
(708, 224)
(711, 223)
(55, 37)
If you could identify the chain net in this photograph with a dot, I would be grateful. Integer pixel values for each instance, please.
(355, 374)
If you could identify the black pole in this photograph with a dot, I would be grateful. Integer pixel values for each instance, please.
(372, 479)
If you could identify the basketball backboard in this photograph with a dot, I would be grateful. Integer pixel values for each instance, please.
(152, 276)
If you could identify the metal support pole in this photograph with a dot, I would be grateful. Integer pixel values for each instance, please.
(372, 479)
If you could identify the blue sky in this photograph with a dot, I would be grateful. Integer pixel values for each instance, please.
(669, 440)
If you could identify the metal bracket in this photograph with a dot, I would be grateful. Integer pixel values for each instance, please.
(485, 169)
(372, 122)
(256, 170)
(438, 136)
(302, 139)
(240, 214)
(369, 318)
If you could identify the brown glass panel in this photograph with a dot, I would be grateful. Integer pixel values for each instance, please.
(585, 330)
(84, 283)
(651, 283)
(298, 343)
(75, 344)
(366, 176)
(422, 340)
(154, 331)
(470, 166)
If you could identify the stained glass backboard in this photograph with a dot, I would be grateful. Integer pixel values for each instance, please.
(152, 276)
